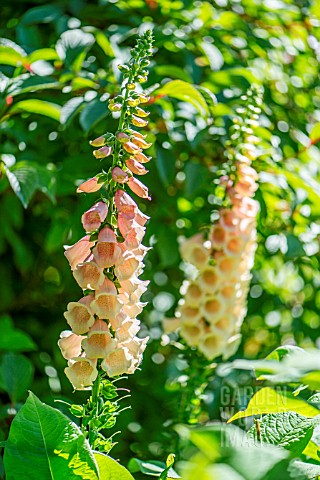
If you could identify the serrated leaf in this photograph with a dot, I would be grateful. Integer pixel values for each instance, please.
(72, 47)
(187, 93)
(44, 444)
(16, 375)
(109, 469)
(27, 177)
(92, 114)
(301, 470)
(268, 400)
(288, 430)
(14, 339)
(70, 109)
(41, 107)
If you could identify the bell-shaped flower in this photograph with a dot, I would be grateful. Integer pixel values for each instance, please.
(189, 315)
(138, 188)
(81, 372)
(88, 276)
(118, 362)
(99, 342)
(119, 176)
(136, 347)
(136, 167)
(131, 147)
(212, 308)
(131, 285)
(92, 218)
(118, 320)
(212, 345)
(193, 251)
(193, 295)
(218, 236)
(106, 305)
(78, 252)
(208, 279)
(90, 186)
(107, 251)
(134, 309)
(141, 218)
(107, 287)
(142, 158)
(138, 122)
(192, 334)
(128, 330)
(70, 344)
(125, 204)
(141, 143)
(103, 152)
(128, 268)
(80, 316)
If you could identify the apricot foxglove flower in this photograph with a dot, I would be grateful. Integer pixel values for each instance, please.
(89, 186)
(94, 217)
(78, 252)
(81, 372)
(70, 344)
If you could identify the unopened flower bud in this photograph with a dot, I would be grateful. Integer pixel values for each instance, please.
(141, 113)
(102, 152)
(130, 86)
(143, 98)
(116, 107)
(141, 79)
(138, 122)
(133, 102)
(145, 63)
(123, 137)
(124, 68)
(131, 147)
(119, 176)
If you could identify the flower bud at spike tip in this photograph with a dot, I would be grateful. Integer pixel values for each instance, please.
(123, 137)
(119, 176)
(102, 152)
(138, 122)
(141, 113)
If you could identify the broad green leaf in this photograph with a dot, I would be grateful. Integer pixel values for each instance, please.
(41, 14)
(16, 375)
(151, 467)
(109, 469)
(8, 56)
(73, 46)
(166, 165)
(14, 339)
(27, 177)
(92, 114)
(295, 247)
(41, 107)
(268, 400)
(44, 444)
(173, 71)
(26, 83)
(288, 430)
(301, 470)
(185, 92)
(70, 109)
(213, 54)
(315, 133)
(312, 450)
(209, 97)
(42, 54)
(104, 43)
(197, 176)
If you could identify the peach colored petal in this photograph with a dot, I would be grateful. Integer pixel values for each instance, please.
(131, 147)
(119, 176)
(78, 252)
(70, 344)
(125, 204)
(118, 320)
(141, 158)
(138, 188)
(107, 287)
(106, 305)
(107, 235)
(99, 342)
(90, 186)
(127, 330)
(92, 218)
(134, 309)
(79, 315)
(127, 269)
(81, 372)
(118, 362)
(140, 142)
(106, 254)
(88, 275)
(136, 167)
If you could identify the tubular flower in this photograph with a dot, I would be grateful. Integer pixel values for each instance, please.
(214, 304)
(107, 262)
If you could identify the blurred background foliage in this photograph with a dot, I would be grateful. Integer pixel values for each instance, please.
(58, 65)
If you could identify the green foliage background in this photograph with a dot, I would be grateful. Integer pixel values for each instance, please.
(55, 80)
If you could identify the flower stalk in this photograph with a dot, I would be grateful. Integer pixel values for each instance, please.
(106, 263)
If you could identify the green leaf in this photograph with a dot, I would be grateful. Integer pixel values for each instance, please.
(152, 468)
(187, 93)
(104, 43)
(315, 133)
(172, 71)
(73, 46)
(209, 97)
(26, 83)
(196, 179)
(109, 469)
(213, 54)
(44, 444)
(42, 54)
(304, 470)
(11, 53)
(16, 375)
(288, 430)
(268, 400)
(70, 109)
(295, 247)
(27, 177)
(92, 114)
(41, 107)
(42, 14)
(166, 165)
(14, 339)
